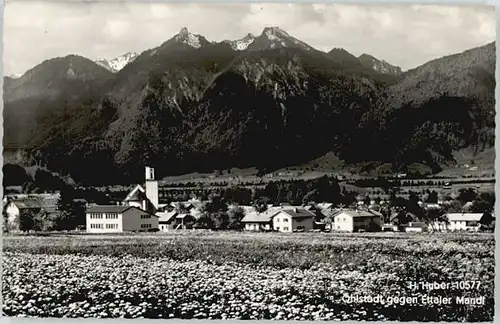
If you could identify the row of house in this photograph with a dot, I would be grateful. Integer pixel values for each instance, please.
(141, 211)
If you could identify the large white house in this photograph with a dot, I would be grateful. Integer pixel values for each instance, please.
(293, 219)
(464, 221)
(115, 218)
(355, 220)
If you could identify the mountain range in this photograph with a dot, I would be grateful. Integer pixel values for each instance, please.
(265, 101)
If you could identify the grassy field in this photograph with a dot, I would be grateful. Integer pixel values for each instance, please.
(247, 276)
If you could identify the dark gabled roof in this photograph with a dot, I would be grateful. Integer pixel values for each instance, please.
(297, 212)
(107, 209)
(113, 209)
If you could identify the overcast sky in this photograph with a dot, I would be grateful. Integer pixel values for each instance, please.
(403, 35)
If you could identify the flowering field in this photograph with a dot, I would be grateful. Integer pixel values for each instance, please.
(301, 276)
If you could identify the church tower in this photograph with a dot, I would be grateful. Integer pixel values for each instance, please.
(151, 186)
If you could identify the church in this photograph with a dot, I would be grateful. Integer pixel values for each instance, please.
(137, 212)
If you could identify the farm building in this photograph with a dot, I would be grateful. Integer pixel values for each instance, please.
(255, 221)
(464, 221)
(356, 220)
(293, 219)
(114, 218)
(33, 204)
(166, 220)
(416, 227)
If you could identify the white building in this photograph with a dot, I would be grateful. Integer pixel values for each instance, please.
(255, 221)
(464, 221)
(113, 218)
(293, 219)
(355, 220)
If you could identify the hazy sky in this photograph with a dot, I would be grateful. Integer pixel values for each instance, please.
(403, 35)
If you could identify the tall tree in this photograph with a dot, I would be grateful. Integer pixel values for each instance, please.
(69, 213)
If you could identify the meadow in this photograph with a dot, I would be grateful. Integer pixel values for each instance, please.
(222, 275)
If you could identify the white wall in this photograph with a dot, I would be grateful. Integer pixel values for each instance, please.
(165, 227)
(257, 226)
(152, 192)
(282, 222)
(461, 226)
(343, 222)
(414, 229)
(12, 217)
(104, 221)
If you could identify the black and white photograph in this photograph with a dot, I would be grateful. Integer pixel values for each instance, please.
(248, 161)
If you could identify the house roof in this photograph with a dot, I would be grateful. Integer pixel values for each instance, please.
(113, 209)
(26, 203)
(463, 217)
(296, 212)
(136, 194)
(108, 209)
(256, 217)
(355, 213)
(325, 205)
(166, 217)
(376, 213)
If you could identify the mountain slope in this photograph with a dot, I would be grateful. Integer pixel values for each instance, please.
(440, 107)
(342, 56)
(274, 38)
(117, 63)
(50, 86)
(241, 44)
(193, 105)
(380, 66)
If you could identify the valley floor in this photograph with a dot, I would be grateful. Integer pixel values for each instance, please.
(249, 276)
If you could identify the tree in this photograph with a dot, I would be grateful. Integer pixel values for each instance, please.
(260, 204)
(14, 175)
(435, 217)
(214, 213)
(466, 195)
(487, 221)
(367, 201)
(27, 219)
(485, 203)
(69, 213)
(236, 214)
(432, 198)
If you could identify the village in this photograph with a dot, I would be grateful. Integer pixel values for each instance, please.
(141, 211)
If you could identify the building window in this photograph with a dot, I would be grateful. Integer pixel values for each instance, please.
(285, 220)
(277, 220)
(285, 228)
(145, 216)
(145, 225)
